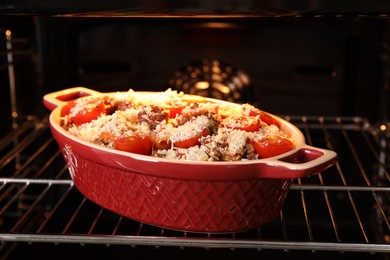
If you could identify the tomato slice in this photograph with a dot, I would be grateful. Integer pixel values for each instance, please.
(90, 111)
(265, 117)
(67, 107)
(272, 146)
(249, 124)
(191, 141)
(175, 111)
(140, 144)
(244, 123)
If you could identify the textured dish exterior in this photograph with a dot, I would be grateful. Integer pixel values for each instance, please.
(198, 206)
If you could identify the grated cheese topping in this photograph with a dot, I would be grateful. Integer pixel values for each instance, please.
(209, 131)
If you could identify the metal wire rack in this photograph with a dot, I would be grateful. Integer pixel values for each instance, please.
(344, 209)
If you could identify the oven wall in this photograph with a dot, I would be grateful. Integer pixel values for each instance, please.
(297, 66)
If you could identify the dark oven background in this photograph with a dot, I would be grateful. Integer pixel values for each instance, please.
(310, 66)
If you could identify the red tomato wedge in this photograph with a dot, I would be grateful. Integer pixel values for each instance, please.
(249, 124)
(272, 146)
(67, 107)
(191, 141)
(245, 123)
(175, 111)
(140, 144)
(90, 111)
(265, 117)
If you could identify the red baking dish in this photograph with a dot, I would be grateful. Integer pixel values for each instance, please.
(211, 197)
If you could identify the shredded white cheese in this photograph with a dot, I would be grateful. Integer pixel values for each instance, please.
(137, 112)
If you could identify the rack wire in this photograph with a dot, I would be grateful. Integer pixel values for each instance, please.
(345, 208)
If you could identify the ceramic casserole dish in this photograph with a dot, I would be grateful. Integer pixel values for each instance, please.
(211, 196)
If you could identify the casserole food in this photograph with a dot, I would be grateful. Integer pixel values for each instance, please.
(175, 125)
(197, 196)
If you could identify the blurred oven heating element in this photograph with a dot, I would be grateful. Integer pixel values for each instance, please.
(213, 78)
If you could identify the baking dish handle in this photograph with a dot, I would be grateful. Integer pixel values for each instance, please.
(303, 162)
(58, 98)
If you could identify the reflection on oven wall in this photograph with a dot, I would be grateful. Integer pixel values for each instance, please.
(19, 82)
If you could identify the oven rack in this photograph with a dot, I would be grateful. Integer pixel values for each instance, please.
(343, 209)
(200, 9)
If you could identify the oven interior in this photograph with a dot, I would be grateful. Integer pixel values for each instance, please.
(327, 72)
